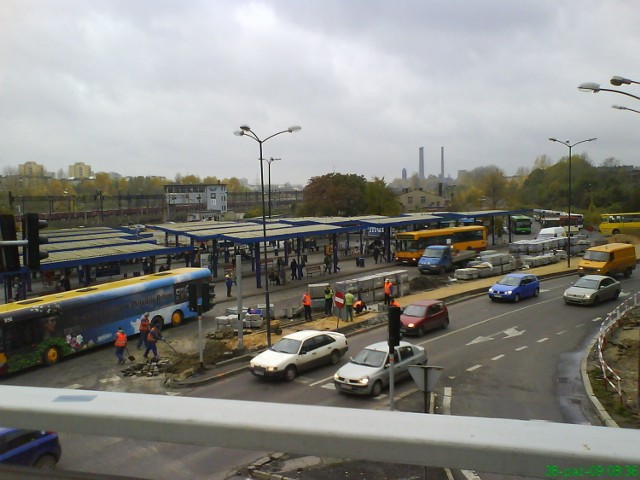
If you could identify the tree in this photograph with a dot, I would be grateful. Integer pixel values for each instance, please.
(380, 198)
(335, 194)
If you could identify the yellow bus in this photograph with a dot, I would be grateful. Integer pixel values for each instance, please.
(615, 223)
(410, 245)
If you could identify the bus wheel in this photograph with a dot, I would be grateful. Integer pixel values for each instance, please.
(157, 322)
(177, 318)
(51, 356)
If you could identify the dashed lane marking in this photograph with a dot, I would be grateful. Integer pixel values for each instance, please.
(475, 367)
(561, 332)
(543, 339)
(498, 357)
(521, 348)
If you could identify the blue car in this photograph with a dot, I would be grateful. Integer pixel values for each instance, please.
(515, 286)
(29, 448)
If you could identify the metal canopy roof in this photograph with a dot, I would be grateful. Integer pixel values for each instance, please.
(281, 233)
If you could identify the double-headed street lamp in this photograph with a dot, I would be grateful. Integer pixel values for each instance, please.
(269, 162)
(245, 130)
(570, 145)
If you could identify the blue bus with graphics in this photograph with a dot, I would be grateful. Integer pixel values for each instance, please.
(42, 330)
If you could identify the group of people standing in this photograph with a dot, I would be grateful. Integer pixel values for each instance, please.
(149, 336)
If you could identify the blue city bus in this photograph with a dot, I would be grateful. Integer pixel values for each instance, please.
(42, 330)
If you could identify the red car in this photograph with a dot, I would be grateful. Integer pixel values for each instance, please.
(425, 315)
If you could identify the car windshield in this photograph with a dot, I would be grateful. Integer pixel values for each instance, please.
(596, 256)
(415, 310)
(431, 253)
(586, 283)
(509, 281)
(370, 358)
(286, 345)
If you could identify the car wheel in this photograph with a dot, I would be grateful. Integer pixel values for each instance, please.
(616, 295)
(596, 301)
(46, 462)
(536, 292)
(445, 323)
(376, 389)
(516, 298)
(334, 358)
(290, 373)
(51, 356)
(493, 299)
(627, 272)
(420, 331)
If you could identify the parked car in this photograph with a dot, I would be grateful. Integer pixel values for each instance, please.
(424, 315)
(297, 352)
(30, 448)
(592, 289)
(514, 286)
(368, 372)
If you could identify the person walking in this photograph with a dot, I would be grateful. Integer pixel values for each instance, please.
(294, 269)
(328, 300)
(152, 338)
(228, 281)
(120, 344)
(327, 263)
(306, 304)
(349, 300)
(376, 253)
(388, 285)
(144, 330)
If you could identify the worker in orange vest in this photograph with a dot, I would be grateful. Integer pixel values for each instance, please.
(120, 344)
(394, 303)
(306, 304)
(388, 285)
(144, 330)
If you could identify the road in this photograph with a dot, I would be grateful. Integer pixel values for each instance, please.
(501, 360)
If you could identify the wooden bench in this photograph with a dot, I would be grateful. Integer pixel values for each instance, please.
(313, 269)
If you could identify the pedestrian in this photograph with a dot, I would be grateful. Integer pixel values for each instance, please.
(294, 269)
(327, 263)
(306, 304)
(66, 283)
(394, 303)
(388, 285)
(349, 300)
(359, 307)
(228, 282)
(144, 330)
(336, 268)
(152, 338)
(120, 344)
(328, 300)
(376, 253)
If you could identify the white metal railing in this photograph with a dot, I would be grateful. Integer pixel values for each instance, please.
(505, 446)
(606, 330)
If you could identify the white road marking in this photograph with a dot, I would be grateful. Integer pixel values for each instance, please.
(521, 348)
(580, 325)
(561, 332)
(509, 332)
(597, 319)
(543, 340)
(475, 367)
(498, 357)
(328, 386)
(321, 381)
(75, 386)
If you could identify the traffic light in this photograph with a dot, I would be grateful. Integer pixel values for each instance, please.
(31, 225)
(193, 296)
(9, 254)
(394, 327)
(208, 294)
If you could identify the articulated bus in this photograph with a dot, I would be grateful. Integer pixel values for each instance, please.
(42, 330)
(616, 223)
(521, 224)
(411, 245)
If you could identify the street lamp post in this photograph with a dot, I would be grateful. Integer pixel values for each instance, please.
(618, 107)
(245, 130)
(570, 145)
(595, 88)
(269, 162)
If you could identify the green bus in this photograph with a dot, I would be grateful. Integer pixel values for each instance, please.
(520, 224)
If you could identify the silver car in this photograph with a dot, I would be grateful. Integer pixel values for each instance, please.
(368, 372)
(592, 289)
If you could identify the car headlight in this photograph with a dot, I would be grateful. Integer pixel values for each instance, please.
(271, 369)
(336, 376)
(411, 325)
(363, 381)
(509, 292)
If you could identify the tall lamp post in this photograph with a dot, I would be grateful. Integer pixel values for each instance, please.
(570, 145)
(269, 162)
(245, 130)
(618, 107)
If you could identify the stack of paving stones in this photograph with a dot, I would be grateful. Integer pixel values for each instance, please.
(147, 369)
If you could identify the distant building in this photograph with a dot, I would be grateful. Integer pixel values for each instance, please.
(404, 174)
(79, 170)
(31, 170)
(420, 201)
(205, 202)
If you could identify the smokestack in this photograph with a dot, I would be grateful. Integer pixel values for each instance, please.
(421, 162)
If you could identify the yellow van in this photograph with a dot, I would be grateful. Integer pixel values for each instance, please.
(609, 259)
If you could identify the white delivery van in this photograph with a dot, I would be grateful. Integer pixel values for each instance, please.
(551, 232)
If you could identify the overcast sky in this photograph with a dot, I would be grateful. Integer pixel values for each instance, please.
(157, 87)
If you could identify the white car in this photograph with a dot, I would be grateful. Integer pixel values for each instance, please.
(297, 352)
(368, 372)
